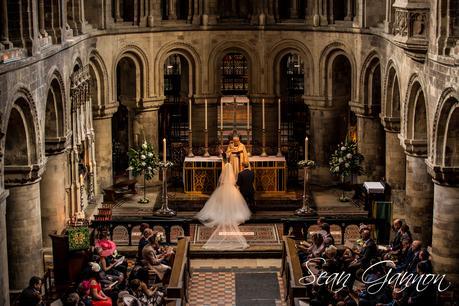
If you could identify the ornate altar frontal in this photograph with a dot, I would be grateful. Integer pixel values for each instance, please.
(200, 174)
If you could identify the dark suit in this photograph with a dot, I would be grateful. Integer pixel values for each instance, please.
(245, 180)
(368, 252)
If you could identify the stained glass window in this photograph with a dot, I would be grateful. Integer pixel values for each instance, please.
(234, 72)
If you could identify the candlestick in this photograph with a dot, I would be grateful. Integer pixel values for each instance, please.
(263, 113)
(248, 116)
(205, 114)
(189, 115)
(190, 143)
(164, 150)
(206, 143)
(306, 144)
(263, 147)
(221, 115)
(279, 115)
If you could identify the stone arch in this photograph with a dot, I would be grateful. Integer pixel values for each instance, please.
(194, 62)
(216, 57)
(99, 80)
(76, 62)
(140, 60)
(416, 117)
(55, 78)
(276, 54)
(22, 151)
(54, 112)
(328, 55)
(391, 92)
(370, 84)
(445, 142)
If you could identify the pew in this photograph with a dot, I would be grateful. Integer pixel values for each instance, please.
(117, 190)
(176, 291)
(292, 272)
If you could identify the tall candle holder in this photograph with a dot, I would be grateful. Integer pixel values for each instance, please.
(91, 195)
(190, 143)
(263, 148)
(206, 143)
(279, 151)
(165, 210)
(249, 151)
(305, 210)
(221, 143)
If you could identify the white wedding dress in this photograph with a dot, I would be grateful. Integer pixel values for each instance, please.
(225, 210)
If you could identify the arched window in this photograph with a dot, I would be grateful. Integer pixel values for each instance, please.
(234, 71)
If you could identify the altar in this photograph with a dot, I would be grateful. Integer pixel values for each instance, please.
(200, 174)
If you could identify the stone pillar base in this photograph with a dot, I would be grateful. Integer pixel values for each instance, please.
(4, 284)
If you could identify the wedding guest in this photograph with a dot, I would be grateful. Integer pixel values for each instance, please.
(73, 299)
(328, 238)
(153, 260)
(425, 296)
(147, 232)
(411, 259)
(98, 297)
(405, 232)
(396, 242)
(31, 296)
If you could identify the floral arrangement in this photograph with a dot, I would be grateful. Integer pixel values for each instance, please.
(310, 164)
(346, 160)
(143, 160)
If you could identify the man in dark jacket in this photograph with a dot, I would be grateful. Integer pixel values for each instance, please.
(31, 296)
(245, 180)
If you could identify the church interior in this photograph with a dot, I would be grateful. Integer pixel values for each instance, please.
(118, 116)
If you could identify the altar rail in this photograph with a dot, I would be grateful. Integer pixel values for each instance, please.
(293, 226)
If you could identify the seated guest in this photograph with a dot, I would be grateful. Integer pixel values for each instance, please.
(328, 238)
(331, 262)
(84, 291)
(73, 299)
(146, 295)
(411, 259)
(109, 264)
(368, 252)
(425, 296)
(153, 260)
(396, 242)
(344, 298)
(403, 252)
(396, 300)
(405, 232)
(31, 296)
(147, 232)
(424, 256)
(98, 297)
(317, 247)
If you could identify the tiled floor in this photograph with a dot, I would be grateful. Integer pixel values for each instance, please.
(215, 282)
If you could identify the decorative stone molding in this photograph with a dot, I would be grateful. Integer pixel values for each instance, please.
(443, 175)
(23, 175)
(415, 147)
(148, 104)
(317, 102)
(55, 145)
(391, 124)
(411, 28)
(104, 111)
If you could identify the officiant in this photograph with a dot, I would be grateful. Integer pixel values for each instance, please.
(236, 154)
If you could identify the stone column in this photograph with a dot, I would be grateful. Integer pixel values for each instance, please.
(348, 10)
(103, 151)
(172, 14)
(388, 19)
(419, 198)
(52, 195)
(41, 18)
(197, 12)
(23, 222)
(370, 142)
(118, 11)
(4, 285)
(5, 35)
(294, 9)
(445, 223)
(322, 141)
(395, 166)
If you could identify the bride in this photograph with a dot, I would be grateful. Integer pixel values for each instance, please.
(225, 210)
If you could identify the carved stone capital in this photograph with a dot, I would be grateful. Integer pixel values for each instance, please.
(22, 175)
(150, 104)
(391, 124)
(443, 175)
(317, 102)
(411, 22)
(104, 111)
(55, 145)
(415, 147)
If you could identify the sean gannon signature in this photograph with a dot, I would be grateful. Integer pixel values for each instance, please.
(337, 281)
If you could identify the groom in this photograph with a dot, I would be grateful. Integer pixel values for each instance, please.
(245, 180)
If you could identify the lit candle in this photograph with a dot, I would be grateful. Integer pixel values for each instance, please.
(164, 149)
(81, 180)
(221, 115)
(248, 115)
(279, 115)
(263, 112)
(306, 143)
(189, 115)
(205, 114)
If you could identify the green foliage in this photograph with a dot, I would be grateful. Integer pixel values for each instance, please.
(143, 160)
(346, 160)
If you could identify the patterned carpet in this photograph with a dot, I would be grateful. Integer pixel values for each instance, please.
(236, 286)
(256, 234)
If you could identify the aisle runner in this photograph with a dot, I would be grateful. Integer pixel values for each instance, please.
(241, 287)
(255, 234)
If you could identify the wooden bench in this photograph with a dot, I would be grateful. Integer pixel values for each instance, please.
(117, 190)
(180, 274)
(292, 272)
